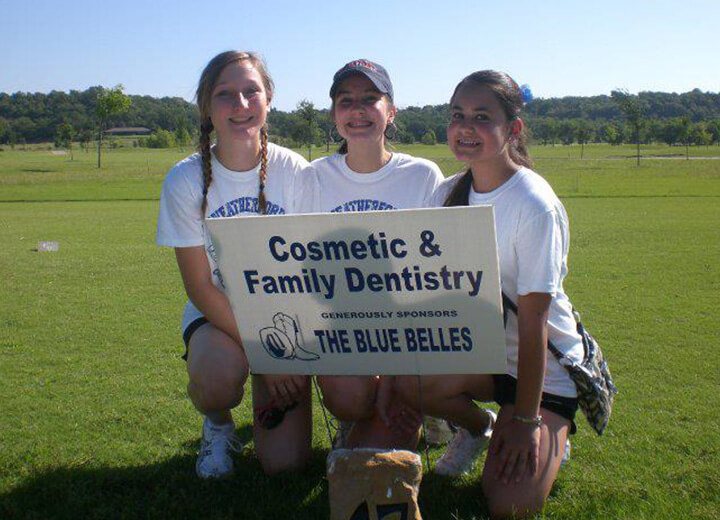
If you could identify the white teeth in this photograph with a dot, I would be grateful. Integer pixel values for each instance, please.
(468, 142)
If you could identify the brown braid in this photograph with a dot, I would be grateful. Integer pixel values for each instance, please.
(262, 202)
(460, 194)
(205, 131)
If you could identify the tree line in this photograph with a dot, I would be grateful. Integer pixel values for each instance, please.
(691, 118)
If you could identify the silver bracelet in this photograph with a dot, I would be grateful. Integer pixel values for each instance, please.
(534, 421)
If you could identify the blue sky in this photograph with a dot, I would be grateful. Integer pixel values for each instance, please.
(559, 48)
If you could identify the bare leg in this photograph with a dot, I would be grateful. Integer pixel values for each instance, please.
(217, 370)
(349, 398)
(526, 497)
(449, 397)
(286, 447)
(352, 398)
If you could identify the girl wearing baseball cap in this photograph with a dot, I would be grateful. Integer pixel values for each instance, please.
(364, 175)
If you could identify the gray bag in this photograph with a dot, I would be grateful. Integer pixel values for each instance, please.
(595, 388)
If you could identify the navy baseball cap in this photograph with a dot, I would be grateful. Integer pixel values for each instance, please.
(372, 71)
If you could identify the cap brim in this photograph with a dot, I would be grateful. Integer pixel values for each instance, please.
(352, 72)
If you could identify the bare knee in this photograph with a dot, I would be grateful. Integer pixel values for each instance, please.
(349, 398)
(217, 374)
(215, 394)
(428, 398)
(517, 509)
(504, 501)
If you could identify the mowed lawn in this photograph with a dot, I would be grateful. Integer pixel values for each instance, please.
(95, 419)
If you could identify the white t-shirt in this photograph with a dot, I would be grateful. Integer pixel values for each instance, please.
(533, 242)
(181, 224)
(404, 182)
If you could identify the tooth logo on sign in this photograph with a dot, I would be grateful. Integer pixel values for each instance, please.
(282, 341)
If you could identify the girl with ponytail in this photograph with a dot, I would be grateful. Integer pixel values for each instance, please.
(536, 396)
(241, 173)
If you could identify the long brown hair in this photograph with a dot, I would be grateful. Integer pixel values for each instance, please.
(203, 95)
(510, 98)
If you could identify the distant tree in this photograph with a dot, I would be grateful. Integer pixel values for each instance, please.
(85, 136)
(671, 131)
(64, 136)
(309, 129)
(403, 136)
(633, 110)
(583, 132)
(611, 133)
(110, 102)
(4, 130)
(699, 134)
(567, 130)
(182, 136)
(161, 139)
(25, 128)
(714, 128)
(684, 126)
(429, 138)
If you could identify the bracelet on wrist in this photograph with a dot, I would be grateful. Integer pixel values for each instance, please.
(533, 421)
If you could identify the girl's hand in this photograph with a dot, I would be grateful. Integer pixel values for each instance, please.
(400, 418)
(516, 446)
(284, 389)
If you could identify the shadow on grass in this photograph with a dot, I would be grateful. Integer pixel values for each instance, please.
(170, 489)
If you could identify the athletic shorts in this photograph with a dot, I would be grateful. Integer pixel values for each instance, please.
(190, 330)
(506, 387)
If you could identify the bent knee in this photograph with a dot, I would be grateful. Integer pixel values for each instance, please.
(515, 510)
(348, 398)
(214, 390)
(511, 501)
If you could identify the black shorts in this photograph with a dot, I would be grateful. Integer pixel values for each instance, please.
(190, 330)
(506, 387)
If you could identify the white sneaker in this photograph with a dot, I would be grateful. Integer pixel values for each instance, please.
(566, 453)
(437, 431)
(214, 460)
(464, 449)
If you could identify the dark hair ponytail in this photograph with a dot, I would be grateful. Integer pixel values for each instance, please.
(460, 194)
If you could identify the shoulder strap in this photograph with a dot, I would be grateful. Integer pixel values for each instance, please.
(508, 304)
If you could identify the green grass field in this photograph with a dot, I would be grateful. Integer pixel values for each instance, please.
(96, 423)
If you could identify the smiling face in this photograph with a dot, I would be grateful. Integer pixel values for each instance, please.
(239, 102)
(360, 112)
(479, 129)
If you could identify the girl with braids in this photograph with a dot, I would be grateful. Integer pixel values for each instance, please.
(537, 398)
(242, 173)
(363, 176)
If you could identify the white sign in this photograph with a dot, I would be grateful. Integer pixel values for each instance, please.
(386, 292)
